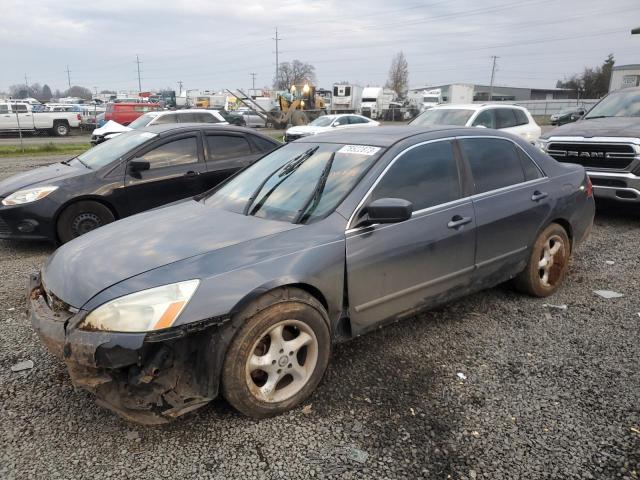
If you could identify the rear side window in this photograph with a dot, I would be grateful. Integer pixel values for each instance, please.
(227, 146)
(188, 118)
(505, 118)
(19, 107)
(426, 176)
(530, 169)
(494, 163)
(521, 117)
(262, 144)
(178, 152)
(356, 120)
(4, 109)
(203, 117)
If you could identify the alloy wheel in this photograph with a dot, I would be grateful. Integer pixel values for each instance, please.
(552, 261)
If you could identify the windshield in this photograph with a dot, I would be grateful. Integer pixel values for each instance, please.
(105, 153)
(619, 104)
(443, 116)
(323, 121)
(300, 182)
(141, 121)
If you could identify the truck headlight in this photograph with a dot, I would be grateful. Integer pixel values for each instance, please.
(144, 311)
(28, 195)
(542, 145)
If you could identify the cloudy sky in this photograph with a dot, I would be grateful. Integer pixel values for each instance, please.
(214, 44)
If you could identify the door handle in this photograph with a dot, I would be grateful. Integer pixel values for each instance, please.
(458, 221)
(538, 195)
(191, 173)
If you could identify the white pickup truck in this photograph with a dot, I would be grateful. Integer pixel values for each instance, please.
(20, 116)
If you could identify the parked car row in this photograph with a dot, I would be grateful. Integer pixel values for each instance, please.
(20, 116)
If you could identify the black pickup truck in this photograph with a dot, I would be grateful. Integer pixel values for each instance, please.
(606, 141)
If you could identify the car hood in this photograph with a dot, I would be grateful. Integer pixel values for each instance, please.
(307, 130)
(84, 267)
(42, 175)
(111, 127)
(598, 127)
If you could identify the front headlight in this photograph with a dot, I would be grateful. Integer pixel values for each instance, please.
(542, 145)
(28, 195)
(144, 311)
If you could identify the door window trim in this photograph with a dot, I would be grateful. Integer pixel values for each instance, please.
(459, 155)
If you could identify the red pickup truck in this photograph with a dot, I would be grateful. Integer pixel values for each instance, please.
(125, 113)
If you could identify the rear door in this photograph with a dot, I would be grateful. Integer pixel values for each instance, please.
(506, 120)
(425, 260)
(511, 203)
(226, 153)
(177, 171)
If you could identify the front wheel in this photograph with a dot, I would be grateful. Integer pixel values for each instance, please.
(278, 357)
(548, 263)
(82, 217)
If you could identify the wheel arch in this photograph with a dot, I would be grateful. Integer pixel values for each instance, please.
(71, 201)
(564, 223)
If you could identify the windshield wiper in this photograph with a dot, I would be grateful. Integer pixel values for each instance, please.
(287, 169)
(78, 159)
(314, 199)
(597, 116)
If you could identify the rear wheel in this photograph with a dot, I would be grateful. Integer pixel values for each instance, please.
(278, 357)
(61, 129)
(82, 217)
(548, 263)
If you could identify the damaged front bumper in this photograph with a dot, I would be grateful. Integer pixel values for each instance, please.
(147, 378)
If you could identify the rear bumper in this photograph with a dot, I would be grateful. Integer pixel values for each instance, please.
(618, 186)
(148, 378)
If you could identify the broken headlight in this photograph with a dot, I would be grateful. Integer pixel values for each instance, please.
(153, 309)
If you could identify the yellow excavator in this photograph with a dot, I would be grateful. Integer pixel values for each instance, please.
(298, 106)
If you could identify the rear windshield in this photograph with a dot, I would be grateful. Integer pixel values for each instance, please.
(443, 116)
(300, 182)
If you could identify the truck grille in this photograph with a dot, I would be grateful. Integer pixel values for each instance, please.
(595, 155)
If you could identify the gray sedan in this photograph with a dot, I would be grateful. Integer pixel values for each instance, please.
(243, 290)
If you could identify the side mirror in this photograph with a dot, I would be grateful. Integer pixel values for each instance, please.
(387, 210)
(136, 166)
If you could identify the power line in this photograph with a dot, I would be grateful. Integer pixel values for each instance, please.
(139, 80)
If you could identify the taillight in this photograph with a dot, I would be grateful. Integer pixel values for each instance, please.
(588, 187)
(79, 117)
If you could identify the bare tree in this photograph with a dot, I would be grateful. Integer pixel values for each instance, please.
(294, 73)
(46, 93)
(399, 75)
(80, 92)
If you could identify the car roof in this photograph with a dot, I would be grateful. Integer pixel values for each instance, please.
(177, 127)
(475, 106)
(377, 136)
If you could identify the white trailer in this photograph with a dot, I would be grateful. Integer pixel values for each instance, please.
(346, 99)
(375, 100)
(460, 93)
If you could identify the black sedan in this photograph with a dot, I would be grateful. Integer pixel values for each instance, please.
(567, 115)
(134, 172)
(242, 291)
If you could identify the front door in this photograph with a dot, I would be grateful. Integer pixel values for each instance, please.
(177, 170)
(511, 203)
(397, 268)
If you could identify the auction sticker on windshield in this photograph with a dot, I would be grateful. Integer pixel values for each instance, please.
(359, 150)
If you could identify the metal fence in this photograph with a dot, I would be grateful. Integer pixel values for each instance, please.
(549, 107)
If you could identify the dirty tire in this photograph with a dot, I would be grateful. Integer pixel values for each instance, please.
(61, 129)
(548, 263)
(80, 218)
(303, 319)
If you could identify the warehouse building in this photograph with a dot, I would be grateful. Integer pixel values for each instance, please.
(501, 93)
(624, 76)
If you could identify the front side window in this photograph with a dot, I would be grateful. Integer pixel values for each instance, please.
(177, 152)
(505, 118)
(426, 176)
(300, 182)
(142, 121)
(323, 121)
(495, 163)
(206, 118)
(227, 146)
(4, 109)
(341, 121)
(485, 119)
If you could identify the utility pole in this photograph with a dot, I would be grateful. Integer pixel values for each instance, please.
(68, 76)
(253, 80)
(180, 85)
(138, 62)
(277, 39)
(26, 83)
(493, 75)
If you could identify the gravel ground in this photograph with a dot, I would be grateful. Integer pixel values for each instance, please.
(494, 386)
